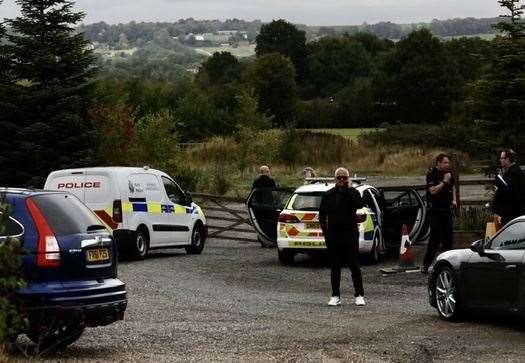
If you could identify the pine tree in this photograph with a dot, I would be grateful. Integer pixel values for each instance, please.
(51, 67)
(512, 25)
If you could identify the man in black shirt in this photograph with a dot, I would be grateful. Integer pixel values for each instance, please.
(337, 217)
(509, 200)
(441, 194)
(264, 180)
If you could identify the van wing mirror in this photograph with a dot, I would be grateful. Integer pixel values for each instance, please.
(188, 197)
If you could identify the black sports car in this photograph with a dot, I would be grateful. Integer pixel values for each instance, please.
(490, 276)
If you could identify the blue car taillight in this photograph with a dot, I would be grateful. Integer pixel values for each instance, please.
(48, 251)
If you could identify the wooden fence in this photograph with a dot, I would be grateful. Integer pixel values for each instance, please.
(227, 217)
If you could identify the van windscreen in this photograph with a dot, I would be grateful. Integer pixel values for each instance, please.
(66, 214)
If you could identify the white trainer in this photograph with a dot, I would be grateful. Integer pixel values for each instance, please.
(360, 301)
(334, 301)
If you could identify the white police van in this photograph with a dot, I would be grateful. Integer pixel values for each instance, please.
(145, 208)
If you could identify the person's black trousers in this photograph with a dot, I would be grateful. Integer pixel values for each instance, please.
(440, 234)
(343, 249)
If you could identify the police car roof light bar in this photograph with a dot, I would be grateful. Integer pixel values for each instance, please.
(354, 179)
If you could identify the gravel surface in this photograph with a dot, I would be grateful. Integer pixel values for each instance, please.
(235, 302)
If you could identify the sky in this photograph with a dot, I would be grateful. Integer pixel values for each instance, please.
(310, 12)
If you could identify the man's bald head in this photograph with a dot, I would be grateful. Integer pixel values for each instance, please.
(264, 170)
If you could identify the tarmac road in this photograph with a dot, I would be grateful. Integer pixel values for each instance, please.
(235, 302)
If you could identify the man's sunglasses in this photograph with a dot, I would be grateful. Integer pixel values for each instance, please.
(341, 177)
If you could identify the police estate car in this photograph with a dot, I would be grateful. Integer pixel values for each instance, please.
(289, 219)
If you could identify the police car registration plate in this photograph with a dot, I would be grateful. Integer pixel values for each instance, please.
(98, 255)
(312, 225)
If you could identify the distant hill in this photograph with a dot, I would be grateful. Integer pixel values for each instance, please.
(135, 34)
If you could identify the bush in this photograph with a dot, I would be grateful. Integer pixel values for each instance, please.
(290, 148)
(12, 322)
(221, 184)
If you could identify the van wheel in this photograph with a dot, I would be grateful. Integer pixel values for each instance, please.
(141, 245)
(197, 241)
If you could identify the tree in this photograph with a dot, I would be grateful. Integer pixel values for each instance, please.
(273, 80)
(513, 25)
(335, 62)
(51, 69)
(282, 37)
(219, 69)
(497, 100)
(419, 80)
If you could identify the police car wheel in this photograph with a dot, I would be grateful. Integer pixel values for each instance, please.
(141, 245)
(373, 256)
(286, 257)
(197, 241)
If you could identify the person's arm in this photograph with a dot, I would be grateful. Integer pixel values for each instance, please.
(358, 200)
(323, 214)
(436, 188)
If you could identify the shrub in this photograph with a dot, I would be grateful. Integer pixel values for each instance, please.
(221, 183)
(12, 322)
(290, 148)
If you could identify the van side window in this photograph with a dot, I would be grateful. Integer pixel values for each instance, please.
(175, 194)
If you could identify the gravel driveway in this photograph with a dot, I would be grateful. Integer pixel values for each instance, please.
(236, 303)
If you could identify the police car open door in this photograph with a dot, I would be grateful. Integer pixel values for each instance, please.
(403, 206)
(264, 207)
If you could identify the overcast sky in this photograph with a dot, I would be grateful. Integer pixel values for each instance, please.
(311, 12)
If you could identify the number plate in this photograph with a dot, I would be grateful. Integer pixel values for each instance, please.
(101, 254)
(312, 226)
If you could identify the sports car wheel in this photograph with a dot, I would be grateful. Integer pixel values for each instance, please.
(445, 287)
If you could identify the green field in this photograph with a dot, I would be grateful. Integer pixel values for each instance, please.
(239, 52)
(348, 133)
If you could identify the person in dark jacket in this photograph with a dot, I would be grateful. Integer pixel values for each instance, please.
(337, 217)
(441, 195)
(509, 200)
(264, 180)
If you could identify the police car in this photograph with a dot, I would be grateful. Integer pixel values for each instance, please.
(144, 208)
(289, 218)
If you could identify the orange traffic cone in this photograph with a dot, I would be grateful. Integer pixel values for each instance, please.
(406, 253)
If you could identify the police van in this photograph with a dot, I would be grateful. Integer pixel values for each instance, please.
(144, 208)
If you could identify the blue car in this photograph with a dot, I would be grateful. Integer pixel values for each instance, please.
(70, 266)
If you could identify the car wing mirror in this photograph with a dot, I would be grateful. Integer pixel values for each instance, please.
(478, 247)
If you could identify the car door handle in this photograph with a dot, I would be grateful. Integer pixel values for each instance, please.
(511, 267)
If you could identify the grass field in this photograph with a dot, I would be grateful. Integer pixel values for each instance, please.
(239, 52)
(352, 134)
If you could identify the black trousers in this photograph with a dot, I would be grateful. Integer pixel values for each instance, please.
(441, 234)
(343, 249)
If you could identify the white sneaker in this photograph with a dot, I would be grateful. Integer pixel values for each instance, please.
(360, 301)
(334, 301)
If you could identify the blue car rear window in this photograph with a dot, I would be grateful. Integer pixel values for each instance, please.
(65, 214)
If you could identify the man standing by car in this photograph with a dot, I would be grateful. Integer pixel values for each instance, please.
(264, 180)
(509, 200)
(441, 195)
(337, 217)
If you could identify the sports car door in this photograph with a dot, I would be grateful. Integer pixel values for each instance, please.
(264, 207)
(402, 206)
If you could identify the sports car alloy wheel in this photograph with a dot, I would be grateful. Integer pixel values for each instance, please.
(446, 294)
